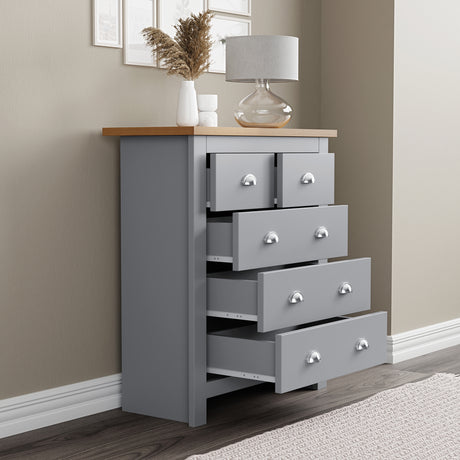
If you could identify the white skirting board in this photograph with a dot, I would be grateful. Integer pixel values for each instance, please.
(57, 405)
(418, 342)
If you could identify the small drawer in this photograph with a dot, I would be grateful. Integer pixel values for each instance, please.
(282, 298)
(241, 181)
(268, 238)
(300, 356)
(305, 179)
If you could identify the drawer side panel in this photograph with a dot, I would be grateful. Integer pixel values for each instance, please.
(219, 240)
(241, 355)
(236, 296)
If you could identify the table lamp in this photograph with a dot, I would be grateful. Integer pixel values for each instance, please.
(262, 59)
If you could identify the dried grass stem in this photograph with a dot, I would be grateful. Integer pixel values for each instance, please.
(188, 53)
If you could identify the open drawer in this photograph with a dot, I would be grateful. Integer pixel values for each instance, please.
(299, 356)
(287, 297)
(256, 239)
(241, 181)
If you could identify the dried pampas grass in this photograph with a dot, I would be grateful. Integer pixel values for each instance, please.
(188, 53)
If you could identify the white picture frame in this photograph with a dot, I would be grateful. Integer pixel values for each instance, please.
(138, 14)
(107, 23)
(170, 11)
(241, 7)
(222, 27)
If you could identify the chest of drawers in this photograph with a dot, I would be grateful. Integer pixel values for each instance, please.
(225, 280)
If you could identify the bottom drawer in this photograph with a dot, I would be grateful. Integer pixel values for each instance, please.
(299, 356)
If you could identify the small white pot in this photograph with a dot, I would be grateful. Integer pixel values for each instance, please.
(208, 118)
(187, 109)
(207, 102)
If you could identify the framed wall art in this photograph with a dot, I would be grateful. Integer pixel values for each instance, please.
(107, 20)
(231, 6)
(221, 28)
(170, 11)
(138, 14)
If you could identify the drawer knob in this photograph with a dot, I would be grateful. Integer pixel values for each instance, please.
(307, 178)
(271, 238)
(313, 357)
(362, 344)
(248, 180)
(321, 232)
(296, 297)
(345, 288)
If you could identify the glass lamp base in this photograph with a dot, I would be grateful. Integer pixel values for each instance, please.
(263, 109)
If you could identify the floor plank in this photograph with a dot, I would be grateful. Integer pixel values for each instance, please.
(447, 360)
(231, 417)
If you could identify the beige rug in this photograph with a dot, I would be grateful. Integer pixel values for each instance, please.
(415, 421)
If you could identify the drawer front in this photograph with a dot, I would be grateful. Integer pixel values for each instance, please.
(241, 181)
(305, 179)
(339, 347)
(224, 144)
(306, 294)
(296, 235)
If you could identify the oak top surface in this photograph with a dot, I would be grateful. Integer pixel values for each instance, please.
(216, 131)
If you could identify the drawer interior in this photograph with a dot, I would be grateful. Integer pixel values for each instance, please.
(250, 332)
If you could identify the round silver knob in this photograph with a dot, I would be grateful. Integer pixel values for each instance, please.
(362, 344)
(296, 297)
(345, 288)
(307, 178)
(321, 232)
(313, 357)
(271, 238)
(248, 180)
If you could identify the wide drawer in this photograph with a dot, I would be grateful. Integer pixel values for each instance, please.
(241, 181)
(287, 297)
(268, 238)
(300, 356)
(305, 179)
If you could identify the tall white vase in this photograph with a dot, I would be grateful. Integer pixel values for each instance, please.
(187, 109)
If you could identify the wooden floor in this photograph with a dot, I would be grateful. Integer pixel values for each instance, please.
(231, 417)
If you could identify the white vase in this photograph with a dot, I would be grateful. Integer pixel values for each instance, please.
(187, 109)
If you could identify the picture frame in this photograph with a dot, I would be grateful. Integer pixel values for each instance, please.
(241, 7)
(170, 11)
(138, 14)
(107, 23)
(222, 27)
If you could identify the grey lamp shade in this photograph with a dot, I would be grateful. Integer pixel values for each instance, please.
(270, 57)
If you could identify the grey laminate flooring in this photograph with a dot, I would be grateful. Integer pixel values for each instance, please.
(231, 417)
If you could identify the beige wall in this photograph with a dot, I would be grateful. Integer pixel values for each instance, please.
(356, 98)
(59, 219)
(310, 64)
(426, 196)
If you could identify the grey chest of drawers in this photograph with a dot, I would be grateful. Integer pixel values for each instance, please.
(225, 280)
